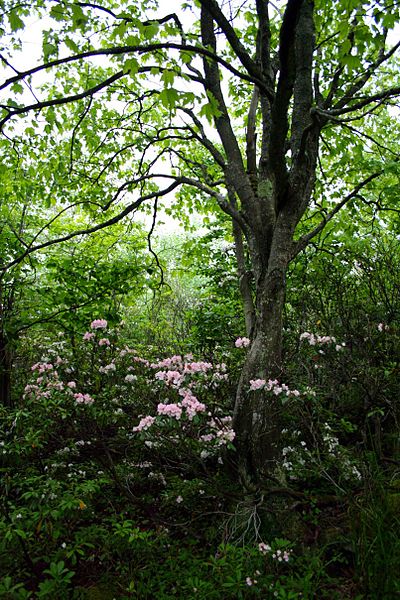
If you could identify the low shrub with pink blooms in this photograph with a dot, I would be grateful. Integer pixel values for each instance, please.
(83, 399)
(242, 342)
(99, 324)
(321, 340)
(273, 385)
(179, 398)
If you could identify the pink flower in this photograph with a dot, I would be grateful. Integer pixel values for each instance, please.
(264, 548)
(71, 384)
(170, 377)
(83, 399)
(257, 384)
(170, 410)
(130, 378)
(98, 324)
(225, 435)
(197, 367)
(192, 405)
(144, 423)
(104, 342)
(88, 336)
(242, 342)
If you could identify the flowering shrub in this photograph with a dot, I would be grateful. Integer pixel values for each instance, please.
(113, 459)
(242, 342)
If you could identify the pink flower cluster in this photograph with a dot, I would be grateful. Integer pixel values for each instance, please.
(191, 404)
(242, 342)
(279, 555)
(170, 410)
(264, 548)
(321, 340)
(144, 423)
(83, 399)
(221, 431)
(170, 377)
(88, 336)
(104, 342)
(98, 324)
(108, 368)
(42, 367)
(181, 373)
(272, 385)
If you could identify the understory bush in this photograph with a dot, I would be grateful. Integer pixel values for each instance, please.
(117, 481)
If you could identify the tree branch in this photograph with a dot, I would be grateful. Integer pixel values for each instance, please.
(235, 172)
(139, 49)
(129, 209)
(359, 103)
(280, 107)
(305, 239)
(59, 101)
(212, 8)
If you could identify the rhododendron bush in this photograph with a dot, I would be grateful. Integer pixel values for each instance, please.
(180, 393)
(121, 454)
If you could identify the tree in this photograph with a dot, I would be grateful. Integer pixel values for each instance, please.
(309, 85)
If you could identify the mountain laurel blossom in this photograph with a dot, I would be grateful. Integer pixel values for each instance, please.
(98, 324)
(88, 336)
(264, 548)
(170, 410)
(242, 342)
(272, 385)
(83, 399)
(144, 423)
(321, 340)
(130, 378)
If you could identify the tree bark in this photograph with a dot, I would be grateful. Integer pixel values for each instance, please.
(257, 413)
(5, 373)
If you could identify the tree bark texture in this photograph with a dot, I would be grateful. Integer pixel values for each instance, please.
(5, 373)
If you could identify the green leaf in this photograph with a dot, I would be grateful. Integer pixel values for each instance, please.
(57, 13)
(49, 50)
(78, 16)
(150, 31)
(169, 98)
(186, 57)
(71, 45)
(168, 77)
(15, 21)
(131, 66)
(17, 88)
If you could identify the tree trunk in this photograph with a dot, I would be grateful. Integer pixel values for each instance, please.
(257, 413)
(5, 373)
(244, 277)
